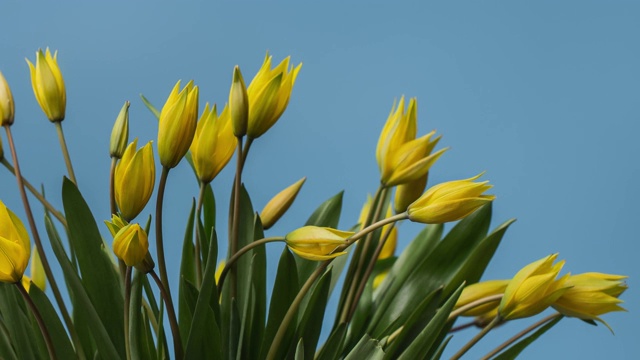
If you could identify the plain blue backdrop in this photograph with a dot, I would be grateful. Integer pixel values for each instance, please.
(543, 96)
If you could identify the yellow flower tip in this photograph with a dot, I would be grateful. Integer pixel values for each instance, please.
(269, 94)
(120, 133)
(177, 124)
(134, 179)
(213, 143)
(7, 106)
(48, 85)
(15, 246)
(400, 128)
(26, 282)
(131, 244)
(219, 269)
(239, 104)
(450, 201)
(279, 204)
(533, 289)
(478, 291)
(38, 275)
(115, 224)
(317, 243)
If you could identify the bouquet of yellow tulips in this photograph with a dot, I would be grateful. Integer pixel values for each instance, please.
(121, 304)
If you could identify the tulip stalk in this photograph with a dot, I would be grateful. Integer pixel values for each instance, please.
(127, 305)
(39, 320)
(173, 320)
(43, 256)
(497, 320)
(198, 248)
(159, 243)
(235, 221)
(65, 152)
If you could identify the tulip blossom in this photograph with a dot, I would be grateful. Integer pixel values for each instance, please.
(135, 177)
(131, 244)
(213, 144)
(15, 246)
(317, 243)
(48, 85)
(177, 124)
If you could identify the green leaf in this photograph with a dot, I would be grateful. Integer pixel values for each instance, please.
(6, 348)
(367, 348)
(99, 277)
(209, 211)
(515, 350)
(438, 353)
(310, 324)
(61, 343)
(256, 314)
(187, 274)
(300, 350)
(14, 314)
(82, 305)
(141, 342)
(333, 347)
(149, 106)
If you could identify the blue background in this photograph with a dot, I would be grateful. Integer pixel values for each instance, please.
(543, 96)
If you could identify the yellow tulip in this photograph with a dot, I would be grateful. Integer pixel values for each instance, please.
(239, 104)
(213, 144)
(590, 295)
(15, 246)
(279, 204)
(450, 201)
(48, 85)
(317, 243)
(120, 133)
(412, 160)
(269, 94)
(177, 124)
(533, 289)
(479, 291)
(115, 224)
(135, 177)
(131, 244)
(400, 128)
(408, 193)
(7, 106)
(38, 275)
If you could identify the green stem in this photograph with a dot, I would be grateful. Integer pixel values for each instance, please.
(235, 222)
(127, 305)
(474, 304)
(463, 326)
(43, 256)
(159, 243)
(36, 314)
(519, 335)
(65, 152)
(198, 240)
(245, 150)
(232, 260)
(371, 228)
(173, 320)
(47, 205)
(476, 338)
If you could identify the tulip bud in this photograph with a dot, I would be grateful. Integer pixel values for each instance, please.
(408, 193)
(533, 289)
(7, 107)
(146, 265)
(478, 291)
(15, 246)
(115, 224)
(450, 201)
(131, 244)
(317, 243)
(239, 104)
(279, 204)
(135, 177)
(120, 133)
(177, 124)
(269, 94)
(213, 144)
(412, 160)
(38, 275)
(400, 128)
(48, 85)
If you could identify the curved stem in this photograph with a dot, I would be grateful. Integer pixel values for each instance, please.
(198, 240)
(173, 320)
(232, 260)
(36, 314)
(245, 150)
(65, 152)
(476, 338)
(235, 222)
(519, 335)
(47, 205)
(463, 326)
(43, 256)
(127, 304)
(159, 243)
(371, 228)
(474, 304)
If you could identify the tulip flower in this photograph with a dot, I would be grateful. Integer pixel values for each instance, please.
(135, 176)
(533, 289)
(400, 128)
(7, 106)
(131, 244)
(408, 193)
(213, 144)
(48, 85)
(177, 124)
(120, 133)
(239, 104)
(15, 246)
(590, 295)
(115, 224)
(279, 204)
(269, 94)
(317, 243)
(450, 201)
(478, 291)
(412, 160)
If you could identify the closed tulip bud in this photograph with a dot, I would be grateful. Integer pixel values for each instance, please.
(213, 144)
(533, 289)
(400, 128)
(450, 201)
(412, 160)
(38, 275)
(239, 104)
(120, 133)
(7, 107)
(48, 85)
(269, 94)
(131, 244)
(279, 204)
(135, 176)
(115, 224)
(478, 291)
(317, 243)
(590, 295)
(15, 246)
(177, 124)
(408, 193)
